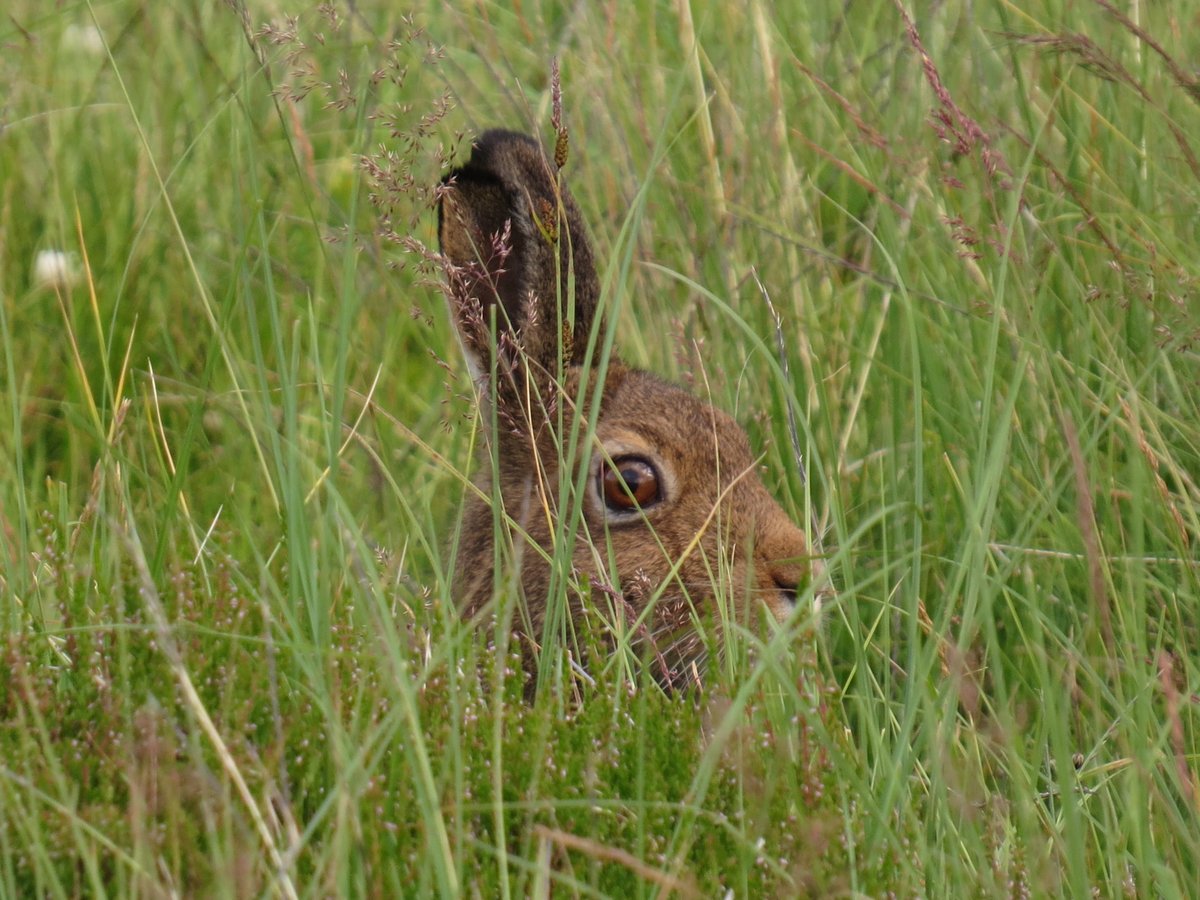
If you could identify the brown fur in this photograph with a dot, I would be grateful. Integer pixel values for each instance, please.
(516, 249)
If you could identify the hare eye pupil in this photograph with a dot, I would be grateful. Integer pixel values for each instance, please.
(628, 484)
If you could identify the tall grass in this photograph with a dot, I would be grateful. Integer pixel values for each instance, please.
(237, 436)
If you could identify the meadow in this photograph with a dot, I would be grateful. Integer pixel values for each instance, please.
(939, 259)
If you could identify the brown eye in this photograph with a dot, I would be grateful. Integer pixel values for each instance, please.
(629, 483)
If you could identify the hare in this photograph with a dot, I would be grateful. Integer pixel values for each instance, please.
(673, 511)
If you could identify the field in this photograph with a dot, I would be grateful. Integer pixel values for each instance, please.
(956, 244)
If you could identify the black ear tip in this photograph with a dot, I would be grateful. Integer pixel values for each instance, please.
(492, 153)
(488, 155)
(496, 138)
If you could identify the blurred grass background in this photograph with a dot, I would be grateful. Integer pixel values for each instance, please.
(236, 433)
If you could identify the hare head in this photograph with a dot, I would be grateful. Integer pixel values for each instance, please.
(673, 518)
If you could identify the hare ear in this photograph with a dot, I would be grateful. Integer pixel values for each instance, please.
(514, 241)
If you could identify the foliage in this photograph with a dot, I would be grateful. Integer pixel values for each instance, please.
(236, 437)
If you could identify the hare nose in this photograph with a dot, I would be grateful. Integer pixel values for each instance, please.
(788, 589)
(782, 558)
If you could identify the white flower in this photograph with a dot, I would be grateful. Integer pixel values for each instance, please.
(55, 268)
(84, 38)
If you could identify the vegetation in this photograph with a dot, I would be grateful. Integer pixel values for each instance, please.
(236, 435)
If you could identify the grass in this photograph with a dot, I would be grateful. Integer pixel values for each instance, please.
(235, 445)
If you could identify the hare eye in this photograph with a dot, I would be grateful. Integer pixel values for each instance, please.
(628, 484)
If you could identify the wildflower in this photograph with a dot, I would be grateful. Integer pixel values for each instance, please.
(55, 269)
(84, 39)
